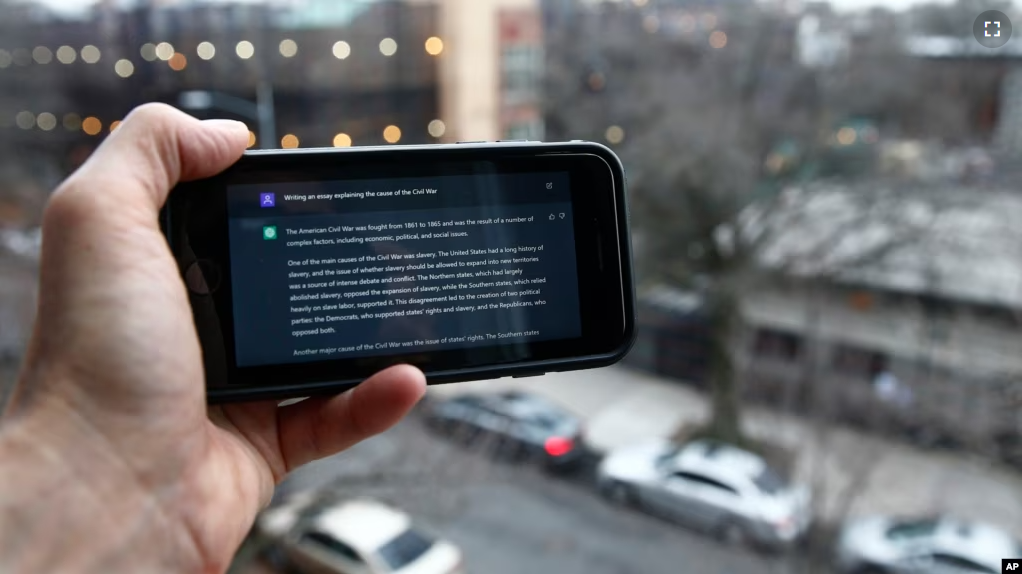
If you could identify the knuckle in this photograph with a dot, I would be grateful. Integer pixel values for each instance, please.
(68, 207)
(154, 115)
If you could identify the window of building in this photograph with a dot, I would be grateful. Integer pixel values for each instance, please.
(525, 130)
(774, 344)
(858, 362)
(522, 73)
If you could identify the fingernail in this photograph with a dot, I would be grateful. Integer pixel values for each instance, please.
(226, 125)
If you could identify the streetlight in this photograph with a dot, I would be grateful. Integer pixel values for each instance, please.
(259, 111)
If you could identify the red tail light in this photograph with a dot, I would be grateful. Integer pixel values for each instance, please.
(558, 445)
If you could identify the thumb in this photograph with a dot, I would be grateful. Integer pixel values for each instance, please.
(156, 147)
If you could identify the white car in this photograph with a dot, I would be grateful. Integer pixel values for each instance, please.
(885, 545)
(718, 488)
(356, 536)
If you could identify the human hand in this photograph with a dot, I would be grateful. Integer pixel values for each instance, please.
(110, 459)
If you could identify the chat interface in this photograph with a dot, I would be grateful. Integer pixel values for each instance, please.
(354, 268)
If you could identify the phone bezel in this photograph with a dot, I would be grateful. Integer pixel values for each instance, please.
(603, 256)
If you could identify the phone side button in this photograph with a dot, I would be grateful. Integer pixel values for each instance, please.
(540, 374)
(473, 142)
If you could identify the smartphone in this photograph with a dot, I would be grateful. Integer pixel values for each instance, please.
(310, 270)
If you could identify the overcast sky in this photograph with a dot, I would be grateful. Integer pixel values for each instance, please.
(71, 6)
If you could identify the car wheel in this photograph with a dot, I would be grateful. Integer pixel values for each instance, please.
(618, 493)
(732, 534)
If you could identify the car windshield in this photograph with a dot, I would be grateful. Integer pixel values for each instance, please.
(770, 482)
(667, 457)
(405, 549)
(911, 530)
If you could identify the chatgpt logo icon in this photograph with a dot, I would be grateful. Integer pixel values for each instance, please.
(992, 29)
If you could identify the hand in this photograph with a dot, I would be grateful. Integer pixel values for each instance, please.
(110, 459)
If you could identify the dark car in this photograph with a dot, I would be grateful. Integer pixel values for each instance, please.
(512, 425)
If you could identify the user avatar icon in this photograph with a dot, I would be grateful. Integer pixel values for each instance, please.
(267, 200)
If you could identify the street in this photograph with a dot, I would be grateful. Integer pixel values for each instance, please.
(513, 519)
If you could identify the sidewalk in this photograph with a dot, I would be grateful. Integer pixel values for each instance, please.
(622, 406)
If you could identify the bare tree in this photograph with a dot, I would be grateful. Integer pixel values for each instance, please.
(702, 113)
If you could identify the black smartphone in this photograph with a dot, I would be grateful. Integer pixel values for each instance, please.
(309, 270)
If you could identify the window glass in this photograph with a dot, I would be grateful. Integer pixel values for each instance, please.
(704, 481)
(405, 549)
(331, 544)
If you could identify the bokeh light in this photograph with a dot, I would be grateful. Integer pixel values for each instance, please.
(25, 120)
(66, 55)
(434, 46)
(92, 126)
(436, 128)
(615, 134)
(342, 140)
(165, 51)
(46, 121)
(91, 54)
(124, 68)
(392, 134)
(5, 59)
(252, 139)
(846, 136)
(245, 49)
(178, 62)
(290, 141)
(42, 55)
(72, 122)
(114, 125)
(341, 50)
(388, 46)
(206, 50)
(148, 51)
(288, 48)
(718, 40)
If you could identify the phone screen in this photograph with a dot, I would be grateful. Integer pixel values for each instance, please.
(365, 267)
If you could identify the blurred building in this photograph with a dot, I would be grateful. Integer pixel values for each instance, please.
(359, 72)
(491, 80)
(921, 334)
(363, 72)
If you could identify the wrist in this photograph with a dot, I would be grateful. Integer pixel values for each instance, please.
(66, 506)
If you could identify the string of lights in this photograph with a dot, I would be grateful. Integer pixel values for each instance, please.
(178, 61)
(93, 126)
(165, 52)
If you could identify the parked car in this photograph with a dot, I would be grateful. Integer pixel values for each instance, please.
(886, 545)
(357, 536)
(514, 424)
(715, 487)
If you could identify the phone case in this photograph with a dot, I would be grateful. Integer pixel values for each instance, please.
(518, 370)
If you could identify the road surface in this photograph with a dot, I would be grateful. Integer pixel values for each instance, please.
(510, 519)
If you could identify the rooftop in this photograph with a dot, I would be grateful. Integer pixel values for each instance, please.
(952, 243)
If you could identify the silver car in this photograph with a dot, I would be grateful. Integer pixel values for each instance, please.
(885, 545)
(718, 488)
